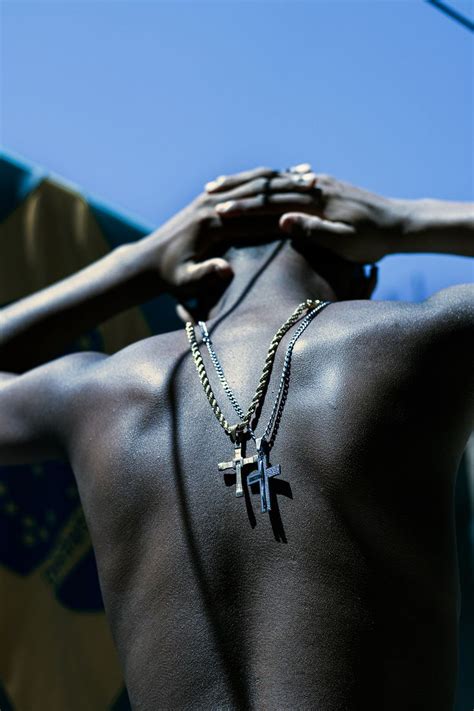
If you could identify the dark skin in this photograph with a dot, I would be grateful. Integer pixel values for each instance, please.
(346, 596)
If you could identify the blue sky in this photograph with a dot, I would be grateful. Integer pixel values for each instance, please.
(141, 102)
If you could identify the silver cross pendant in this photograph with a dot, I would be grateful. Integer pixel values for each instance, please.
(263, 475)
(237, 465)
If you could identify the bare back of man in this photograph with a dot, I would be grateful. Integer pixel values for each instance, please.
(345, 596)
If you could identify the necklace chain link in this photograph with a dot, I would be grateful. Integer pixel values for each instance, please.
(315, 305)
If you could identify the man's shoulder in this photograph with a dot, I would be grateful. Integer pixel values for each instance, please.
(441, 322)
(432, 338)
(449, 312)
(141, 363)
(364, 323)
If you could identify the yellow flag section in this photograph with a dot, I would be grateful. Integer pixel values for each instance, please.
(51, 234)
(56, 651)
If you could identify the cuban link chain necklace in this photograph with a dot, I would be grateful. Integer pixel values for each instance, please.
(240, 432)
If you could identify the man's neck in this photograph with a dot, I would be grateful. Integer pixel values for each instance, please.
(279, 280)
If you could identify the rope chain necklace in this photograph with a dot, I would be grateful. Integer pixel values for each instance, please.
(242, 431)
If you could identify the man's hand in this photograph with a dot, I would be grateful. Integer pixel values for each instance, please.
(184, 253)
(183, 257)
(354, 223)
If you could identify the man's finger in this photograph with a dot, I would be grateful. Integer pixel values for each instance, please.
(201, 284)
(228, 182)
(265, 186)
(300, 168)
(194, 273)
(296, 224)
(264, 204)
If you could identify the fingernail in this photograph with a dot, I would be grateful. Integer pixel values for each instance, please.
(286, 224)
(224, 272)
(214, 184)
(225, 206)
(307, 179)
(301, 168)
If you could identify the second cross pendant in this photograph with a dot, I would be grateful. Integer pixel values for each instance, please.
(263, 475)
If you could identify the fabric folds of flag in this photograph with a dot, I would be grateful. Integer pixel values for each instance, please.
(56, 650)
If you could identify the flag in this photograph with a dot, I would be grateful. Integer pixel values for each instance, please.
(56, 652)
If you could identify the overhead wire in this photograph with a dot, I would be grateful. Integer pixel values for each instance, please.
(451, 12)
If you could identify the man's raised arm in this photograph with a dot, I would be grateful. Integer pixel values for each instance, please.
(437, 226)
(359, 225)
(180, 258)
(36, 397)
(38, 327)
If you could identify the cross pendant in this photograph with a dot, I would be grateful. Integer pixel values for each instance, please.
(237, 464)
(263, 475)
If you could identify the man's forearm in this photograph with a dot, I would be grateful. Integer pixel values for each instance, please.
(436, 226)
(39, 327)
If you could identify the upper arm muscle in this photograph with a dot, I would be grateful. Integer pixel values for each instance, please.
(455, 304)
(448, 317)
(34, 408)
